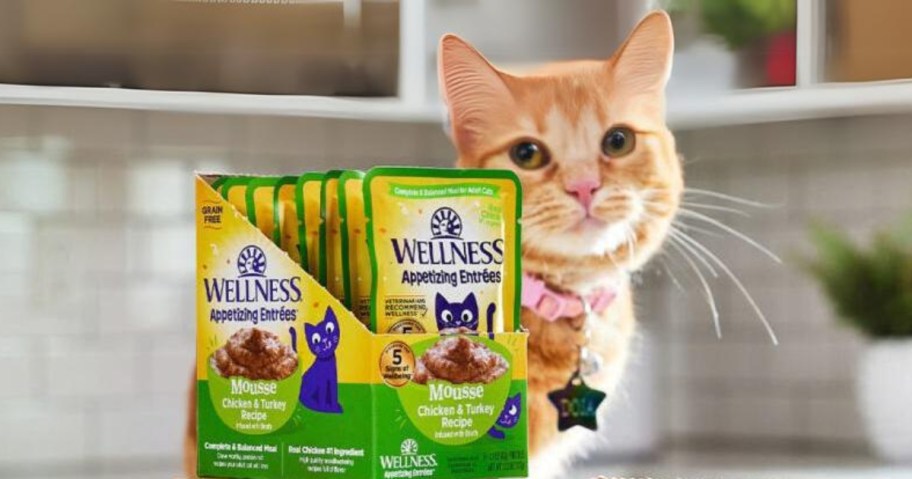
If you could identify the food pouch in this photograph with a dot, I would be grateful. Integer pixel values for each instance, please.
(444, 248)
(217, 182)
(234, 189)
(260, 199)
(331, 235)
(307, 207)
(285, 217)
(356, 264)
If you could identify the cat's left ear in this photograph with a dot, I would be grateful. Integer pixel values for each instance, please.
(643, 63)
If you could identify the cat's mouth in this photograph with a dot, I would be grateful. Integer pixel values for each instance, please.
(589, 223)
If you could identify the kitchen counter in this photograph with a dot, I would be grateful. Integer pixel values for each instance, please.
(675, 464)
(745, 465)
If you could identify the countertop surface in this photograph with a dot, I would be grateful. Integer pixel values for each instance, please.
(669, 465)
(684, 464)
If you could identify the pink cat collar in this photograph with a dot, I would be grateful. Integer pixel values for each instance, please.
(552, 305)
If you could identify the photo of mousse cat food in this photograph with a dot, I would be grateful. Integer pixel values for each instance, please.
(255, 354)
(458, 359)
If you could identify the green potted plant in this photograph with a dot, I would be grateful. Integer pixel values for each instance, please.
(760, 33)
(871, 290)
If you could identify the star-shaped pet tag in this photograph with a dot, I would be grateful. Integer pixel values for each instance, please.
(577, 404)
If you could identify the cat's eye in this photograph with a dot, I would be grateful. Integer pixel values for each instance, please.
(447, 316)
(315, 338)
(618, 142)
(466, 316)
(330, 327)
(529, 155)
(512, 410)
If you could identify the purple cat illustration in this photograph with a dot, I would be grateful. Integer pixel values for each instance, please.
(509, 416)
(320, 383)
(454, 315)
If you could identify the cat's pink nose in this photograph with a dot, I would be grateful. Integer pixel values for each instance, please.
(583, 189)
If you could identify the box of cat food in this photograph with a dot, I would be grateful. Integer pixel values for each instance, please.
(291, 384)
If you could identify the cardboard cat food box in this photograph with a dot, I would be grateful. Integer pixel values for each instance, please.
(291, 384)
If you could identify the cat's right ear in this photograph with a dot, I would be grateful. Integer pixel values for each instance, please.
(475, 92)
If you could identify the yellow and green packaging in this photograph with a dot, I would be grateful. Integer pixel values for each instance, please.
(448, 245)
(356, 264)
(308, 200)
(286, 218)
(331, 274)
(260, 199)
(234, 190)
(291, 384)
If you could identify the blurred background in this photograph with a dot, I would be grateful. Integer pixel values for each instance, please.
(108, 107)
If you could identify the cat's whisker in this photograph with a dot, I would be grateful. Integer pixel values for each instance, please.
(732, 198)
(732, 231)
(707, 206)
(675, 234)
(630, 236)
(669, 271)
(738, 283)
(690, 227)
(710, 298)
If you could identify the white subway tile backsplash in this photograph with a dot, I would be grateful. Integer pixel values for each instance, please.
(366, 143)
(16, 127)
(171, 362)
(834, 419)
(864, 139)
(31, 182)
(726, 144)
(27, 313)
(92, 368)
(18, 368)
(171, 249)
(16, 237)
(803, 360)
(38, 433)
(186, 132)
(159, 187)
(147, 428)
(893, 191)
(798, 138)
(146, 306)
(71, 247)
(296, 137)
(435, 146)
(82, 189)
(88, 127)
(840, 189)
(762, 416)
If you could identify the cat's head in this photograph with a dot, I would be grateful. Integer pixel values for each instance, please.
(452, 315)
(509, 416)
(600, 173)
(323, 337)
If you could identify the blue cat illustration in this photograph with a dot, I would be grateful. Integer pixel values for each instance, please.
(509, 416)
(454, 315)
(320, 383)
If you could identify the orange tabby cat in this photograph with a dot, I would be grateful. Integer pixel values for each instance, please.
(601, 181)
